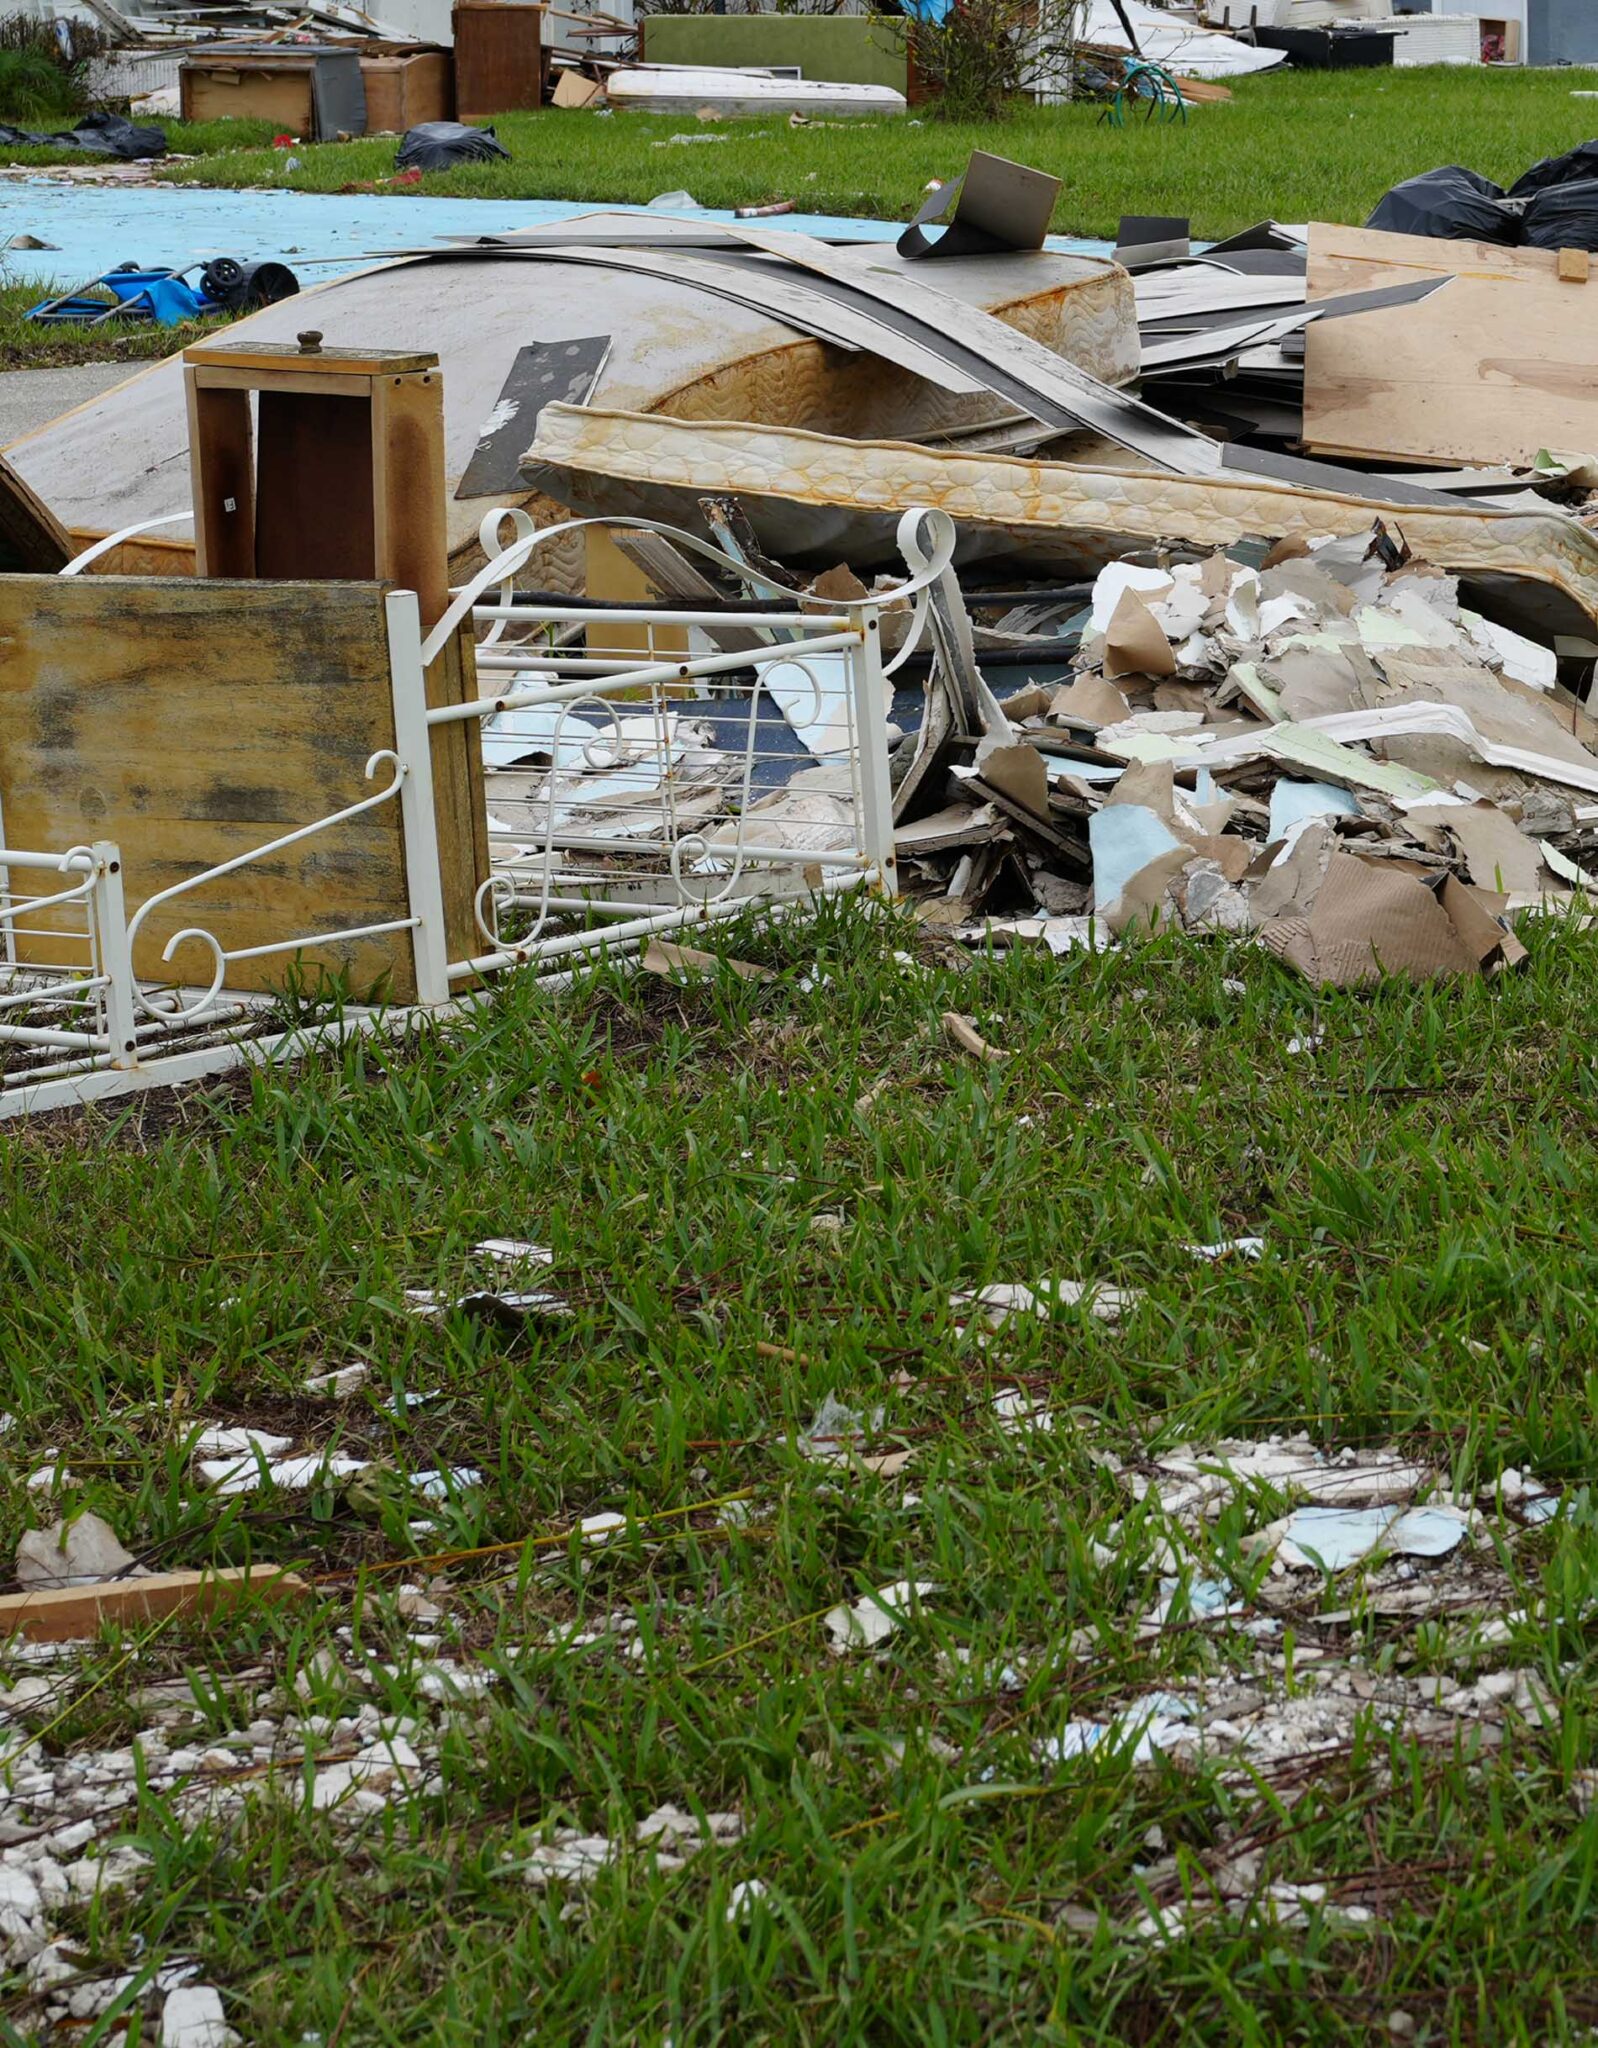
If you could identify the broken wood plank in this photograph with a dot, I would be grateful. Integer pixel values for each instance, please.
(1575, 266)
(55, 1614)
(1491, 369)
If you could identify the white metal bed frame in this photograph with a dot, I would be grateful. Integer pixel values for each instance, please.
(631, 824)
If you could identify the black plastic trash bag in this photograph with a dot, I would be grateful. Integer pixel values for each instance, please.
(1452, 204)
(436, 145)
(1580, 163)
(95, 135)
(111, 135)
(1562, 217)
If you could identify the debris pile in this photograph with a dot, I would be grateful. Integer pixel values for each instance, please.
(1330, 751)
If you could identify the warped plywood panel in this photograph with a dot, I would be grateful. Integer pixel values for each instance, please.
(191, 721)
(1493, 367)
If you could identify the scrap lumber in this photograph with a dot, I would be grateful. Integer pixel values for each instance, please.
(55, 1614)
(1494, 368)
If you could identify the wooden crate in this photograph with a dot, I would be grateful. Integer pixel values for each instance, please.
(501, 63)
(278, 90)
(312, 93)
(406, 87)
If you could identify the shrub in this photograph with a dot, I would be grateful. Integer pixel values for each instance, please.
(985, 54)
(44, 67)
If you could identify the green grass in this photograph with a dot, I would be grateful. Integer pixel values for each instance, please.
(1426, 1184)
(184, 138)
(1298, 145)
(24, 346)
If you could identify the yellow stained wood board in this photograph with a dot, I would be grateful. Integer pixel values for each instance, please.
(192, 721)
(1496, 365)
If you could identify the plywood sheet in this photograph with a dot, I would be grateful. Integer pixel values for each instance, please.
(1494, 367)
(192, 721)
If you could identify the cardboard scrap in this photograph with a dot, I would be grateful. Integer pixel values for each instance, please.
(1135, 642)
(661, 956)
(1370, 919)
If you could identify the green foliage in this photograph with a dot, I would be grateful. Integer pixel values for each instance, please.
(1296, 145)
(984, 54)
(1422, 1186)
(34, 89)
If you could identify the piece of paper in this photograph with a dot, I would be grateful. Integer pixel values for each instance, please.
(1135, 642)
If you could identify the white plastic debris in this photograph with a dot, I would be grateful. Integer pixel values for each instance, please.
(490, 1304)
(873, 1618)
(837, 1428)
(440, 1485)
(1017, 1412)
(77, 1553)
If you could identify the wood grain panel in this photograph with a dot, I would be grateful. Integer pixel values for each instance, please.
(1491, 368)
(190, 721)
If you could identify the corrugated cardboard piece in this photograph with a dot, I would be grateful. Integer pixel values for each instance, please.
(1370, 919)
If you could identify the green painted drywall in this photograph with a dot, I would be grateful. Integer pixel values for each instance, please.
(843, 49)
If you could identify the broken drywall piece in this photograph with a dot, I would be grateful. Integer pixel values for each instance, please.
(1090, 700)
(1497, 854)
(1523, 659)
(1293, 804)
(1335, 1538)
(340, 1383)
(1004, 1299)
(218, 1440)
(511, 1310)
(1112, 583)
(1134, 641)
(513, 1251)
(1126, 840)
(76, 1553)
(869, 1621)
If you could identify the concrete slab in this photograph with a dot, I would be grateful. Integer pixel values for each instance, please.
(32, 398)
(318, 234)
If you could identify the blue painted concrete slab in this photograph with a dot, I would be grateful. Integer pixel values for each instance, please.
(318, 234)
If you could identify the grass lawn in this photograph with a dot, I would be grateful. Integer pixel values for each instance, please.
(1298, 145)
(24, 346)
(1422, 1171)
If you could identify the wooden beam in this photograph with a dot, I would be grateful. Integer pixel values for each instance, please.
(57, 1614)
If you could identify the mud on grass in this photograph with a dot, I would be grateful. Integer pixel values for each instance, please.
(738, 1239)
